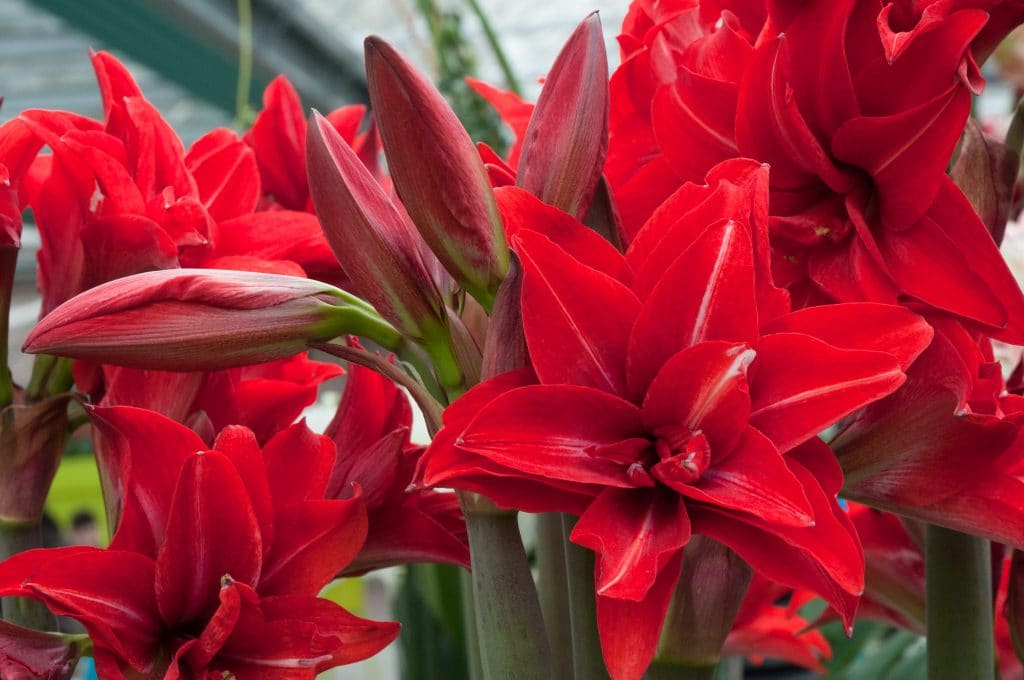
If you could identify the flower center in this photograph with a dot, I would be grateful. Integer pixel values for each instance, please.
(683, 456)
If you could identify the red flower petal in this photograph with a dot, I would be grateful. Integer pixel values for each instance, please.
(278, 136)
(522, 211)
(776, 559)
(142, 457)
(110, 592)
(212, 531)
(298, 464)
(514, 112)
(799, 386)
(315, 541)
(635, 534)
(703, 388)
(825, 558)
(295, 638)
(576, 319)
(707, 294)
(225, 171)
(279, 235)
(556, 431)
(630, 630)
(199, 652)
(752, 477)
(865, 326)
(413, 532)
(239, 445)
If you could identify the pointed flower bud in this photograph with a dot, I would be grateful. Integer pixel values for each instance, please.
(437, 172)
(986, 171)
(705, 603)
(565, 144)
(31, 441)
(203, 319)
(505, 346)
(377, 246)
(26, 653)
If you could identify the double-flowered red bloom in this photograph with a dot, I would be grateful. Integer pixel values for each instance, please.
(217, 560)
(857, 109)
(371, 429)
(663, 403)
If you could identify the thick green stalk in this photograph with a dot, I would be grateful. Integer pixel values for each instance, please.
(553, 588)
(731, 668)
(587, 660)
(668, 670)
(476, 669)
(510, 626)
(14, 539)
(958, 569)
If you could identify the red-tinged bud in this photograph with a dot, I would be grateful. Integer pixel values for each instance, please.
(986, 171)
(26, 654)
(31, 441)
(603, 216)
(505, 347)
(203, 319)
(565, 145)
(437, 172)
(704, 605)
(377, 246)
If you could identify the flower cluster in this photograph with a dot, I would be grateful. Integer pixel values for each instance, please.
(696, 303)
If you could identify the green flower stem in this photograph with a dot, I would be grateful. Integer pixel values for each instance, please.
(14, 539)
(499, 54)
(958, 571)
(243, 112)
(587, 660)
(430, 407)
(553, 588)
(510, 626)
(668, 670)
(731, 668)
(476, 669)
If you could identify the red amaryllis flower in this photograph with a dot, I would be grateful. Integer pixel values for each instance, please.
(674, 414)
(371, 431)
(766, 629)
(894, 585)
(241, 236)
(278, 137)
(217, 559)
(857, 111)
(266, 398)
(945, 449)
(894, 589)
(111, 198)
